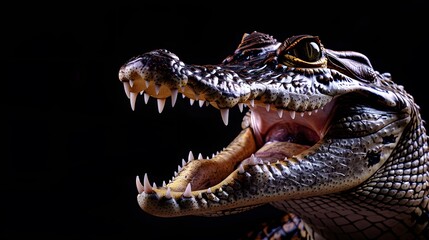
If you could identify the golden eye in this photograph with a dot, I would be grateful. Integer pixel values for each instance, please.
(306, 50)
(302, 51)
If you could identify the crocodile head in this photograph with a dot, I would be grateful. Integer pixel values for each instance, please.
(318, 122)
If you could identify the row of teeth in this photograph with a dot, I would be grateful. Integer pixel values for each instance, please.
(148, 188)
(224, 111)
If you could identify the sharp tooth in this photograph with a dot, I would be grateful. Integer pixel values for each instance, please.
(174, 93)
(240, 106)
(163, 184)
(200, 156)
(191, 101)
(188, 191)
(154, 185)
(292, 114)
(146, 83)
(207, 103)
(309, 113)
(157, 87)
(183, 162)
(133, 98)
(175, 174)
(141, 92)
(161, 104)
(253, 160)
(140, 187)
(179, 168)
(209, 190)
(131, 83)
(240, 168)
(252, 102)
(168, 193)
(280, 112)
(190, 156)
(127, 88)
(302, 114)
(146, 184)
(225, 115)
(146, 97)
(201, 102)
(268, 106)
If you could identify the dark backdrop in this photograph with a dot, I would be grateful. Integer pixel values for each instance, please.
(73, 145)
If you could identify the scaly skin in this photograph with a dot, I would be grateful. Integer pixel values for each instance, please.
(326, 137)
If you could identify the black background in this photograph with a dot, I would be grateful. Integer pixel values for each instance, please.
(73, 145)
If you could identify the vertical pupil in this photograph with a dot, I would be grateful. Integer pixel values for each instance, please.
(307, 51)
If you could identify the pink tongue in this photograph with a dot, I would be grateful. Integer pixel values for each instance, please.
(274, 151)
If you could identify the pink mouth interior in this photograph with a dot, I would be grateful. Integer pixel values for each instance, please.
(279, 138)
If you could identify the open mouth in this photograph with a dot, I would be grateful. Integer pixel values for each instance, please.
(269, 136)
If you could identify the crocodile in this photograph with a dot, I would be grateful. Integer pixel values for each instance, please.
(335, 144)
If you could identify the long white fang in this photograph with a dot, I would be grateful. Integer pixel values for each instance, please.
(225, 115)
(157, 87)
(174, 93)
(253, 160)
(183, 162)
(168, 193)
(190, 156)
(200, 156)
(179, 168)
(146, 184)
(133, 98)
(154, 185)
(127, 88)
(146, 97)
(139, 185)
(201, 102)
(252, 102)
(188, 190)
(131, 83)
(141, 92)
(191, 101)
(292, 114)
(161, 104)
(267, 107)
(240, 106)
(280, 112)
(240, 168)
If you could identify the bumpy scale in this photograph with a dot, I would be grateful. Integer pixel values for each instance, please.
(326, 137)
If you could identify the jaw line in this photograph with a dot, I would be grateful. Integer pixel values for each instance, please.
(203, 174)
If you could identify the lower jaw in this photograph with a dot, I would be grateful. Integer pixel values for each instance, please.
(205, 173)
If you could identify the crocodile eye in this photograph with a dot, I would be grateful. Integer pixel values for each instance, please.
(302, 51)
(306, 50)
